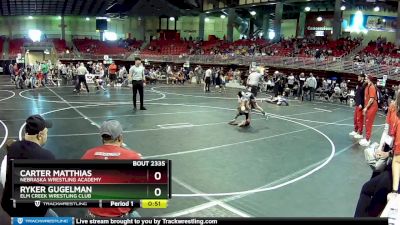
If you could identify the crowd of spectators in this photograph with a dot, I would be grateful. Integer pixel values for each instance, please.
(320, 47)
(379, 52)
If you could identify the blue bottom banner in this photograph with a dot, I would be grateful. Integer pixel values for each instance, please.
(42, 220)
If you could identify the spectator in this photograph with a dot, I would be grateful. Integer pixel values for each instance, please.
(302, 80)
(31, 147)
(112, 71)
(370, 109)
(374, 193)
(359, 105)
(290, 81)
(396, 154)
(199, 73)
(312, 85)
(112, 138)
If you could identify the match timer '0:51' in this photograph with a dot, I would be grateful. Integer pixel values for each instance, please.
(154, 204)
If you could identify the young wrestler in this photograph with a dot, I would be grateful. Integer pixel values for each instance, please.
(244, 108)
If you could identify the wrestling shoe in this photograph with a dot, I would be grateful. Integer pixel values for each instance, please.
(358, 136)
(143, 108)
(232, 122)
(353, 133)
(364, 142)
(243, 124)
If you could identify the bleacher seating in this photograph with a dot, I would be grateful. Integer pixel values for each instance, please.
(134, 44)
(380, 52)
(16, 46)
(60, 45)
(97, 47)
(214, 46)
(286, 48)
(167, 47)
(335, 48)
(387, 49)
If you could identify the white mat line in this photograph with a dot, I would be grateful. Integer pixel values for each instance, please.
(212, 200)
(323, 110)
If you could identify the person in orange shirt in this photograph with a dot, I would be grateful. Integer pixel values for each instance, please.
(370, 109)
(111, 134)
(359, 105)
(373, 196)
(396, 157)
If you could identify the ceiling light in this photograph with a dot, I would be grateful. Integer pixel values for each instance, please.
(87, 18)
(223, 16)
(271, 34)
(108, 19)
(207, 19)
(384, 20)
(172, 18)
(35, 35)
(59, 17)
(30, 17)
(376, 8)
(319, 19)
(307, 9)
(253, 13)
(343, 8)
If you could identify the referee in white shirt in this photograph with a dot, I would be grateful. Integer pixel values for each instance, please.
(207, 79)
(82, 71)
(253, 81)
(136, 75)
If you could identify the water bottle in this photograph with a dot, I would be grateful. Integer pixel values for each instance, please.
(351, 102)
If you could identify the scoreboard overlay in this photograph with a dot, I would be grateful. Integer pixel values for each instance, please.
(91, 183)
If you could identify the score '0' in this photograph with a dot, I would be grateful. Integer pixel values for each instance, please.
(157, 192)
(157, 175)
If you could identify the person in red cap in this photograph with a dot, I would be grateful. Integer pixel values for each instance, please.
(112, 149)
(370, 109)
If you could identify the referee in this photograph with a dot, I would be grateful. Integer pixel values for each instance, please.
(253, 81)
(136, 75)
(82, 71)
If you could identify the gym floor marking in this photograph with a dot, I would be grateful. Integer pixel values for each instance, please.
(5, 134)
(12, 95)
(190, 190)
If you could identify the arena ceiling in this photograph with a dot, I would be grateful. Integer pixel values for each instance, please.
(97, 7)
(119, 8)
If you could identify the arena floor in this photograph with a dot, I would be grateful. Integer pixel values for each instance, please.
(298, 163)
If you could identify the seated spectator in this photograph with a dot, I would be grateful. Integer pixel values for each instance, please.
(31, 147)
